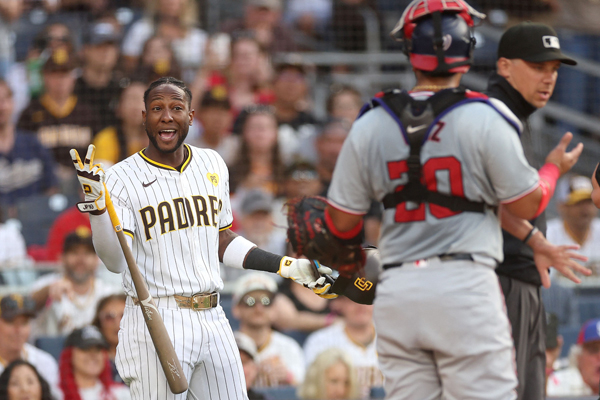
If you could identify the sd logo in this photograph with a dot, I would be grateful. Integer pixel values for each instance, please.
(363, 284)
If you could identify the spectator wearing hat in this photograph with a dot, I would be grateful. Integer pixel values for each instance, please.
(59, 119)
(248, 353)
(578, 223)
(25, 78)
(582, 377)
(297, 126)
(127, 136)
(69, 299)
(27, 167)
(254, 210)
(529, 57)
(98, 86)
(213, 125)
(16, 312)
(279, 357)
(85, 372)
(263, 19)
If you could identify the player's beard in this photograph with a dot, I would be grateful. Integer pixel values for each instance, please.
(154, 142)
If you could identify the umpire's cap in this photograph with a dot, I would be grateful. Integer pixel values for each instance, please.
(532, 42)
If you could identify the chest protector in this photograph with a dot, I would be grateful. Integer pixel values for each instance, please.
(416, 119)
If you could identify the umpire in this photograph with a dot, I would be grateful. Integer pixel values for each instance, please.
(529, 56)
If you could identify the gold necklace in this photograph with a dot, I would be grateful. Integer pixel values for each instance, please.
(429, 88)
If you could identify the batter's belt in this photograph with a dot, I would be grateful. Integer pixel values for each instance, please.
(196, 302)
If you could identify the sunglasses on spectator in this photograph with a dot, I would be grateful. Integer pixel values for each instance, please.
(304, 175)
(111, 316)
(250, 301)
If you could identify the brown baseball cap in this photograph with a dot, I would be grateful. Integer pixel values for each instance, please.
(532, 42)
(60, 60)
(82, 236)
(14, 305)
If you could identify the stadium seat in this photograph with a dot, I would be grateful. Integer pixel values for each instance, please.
(298, 336)
(569, 334)
(37, 214)
(279, 393)
(51, 344)
(589, 307)
(227, 304)
(377, 393)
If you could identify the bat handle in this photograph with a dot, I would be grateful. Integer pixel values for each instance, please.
(114, 218)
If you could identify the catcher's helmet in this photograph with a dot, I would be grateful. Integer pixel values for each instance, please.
(438, 35)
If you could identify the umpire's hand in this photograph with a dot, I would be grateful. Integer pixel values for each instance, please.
(561, 158)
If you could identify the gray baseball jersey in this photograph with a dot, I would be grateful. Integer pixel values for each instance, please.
(174, 219)
(472, 151)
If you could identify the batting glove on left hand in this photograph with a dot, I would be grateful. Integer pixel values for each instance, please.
(303, 272)
(91, 178)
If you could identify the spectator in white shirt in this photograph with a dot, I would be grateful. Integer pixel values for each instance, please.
(582, 377)
(279, 357)
(69, 299)
(578, 222)
(355, 335)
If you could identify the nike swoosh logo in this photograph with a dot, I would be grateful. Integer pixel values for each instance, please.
(413, 129)
(149, 183)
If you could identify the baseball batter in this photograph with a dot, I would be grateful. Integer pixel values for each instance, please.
(173, 203)
(442, 331)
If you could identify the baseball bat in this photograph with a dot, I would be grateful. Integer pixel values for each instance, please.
(158, 332)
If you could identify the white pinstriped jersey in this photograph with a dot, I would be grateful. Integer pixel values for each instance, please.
(174, 219)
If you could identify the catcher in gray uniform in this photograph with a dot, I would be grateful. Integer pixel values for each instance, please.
(442, 160)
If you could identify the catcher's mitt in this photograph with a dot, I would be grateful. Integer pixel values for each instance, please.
(310, 237)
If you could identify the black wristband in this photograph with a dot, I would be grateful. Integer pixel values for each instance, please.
(532, 232)
(261, 260)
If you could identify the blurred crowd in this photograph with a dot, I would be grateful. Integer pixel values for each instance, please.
(73, 72)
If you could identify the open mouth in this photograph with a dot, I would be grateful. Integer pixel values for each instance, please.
(167, 134)
(544, 95)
